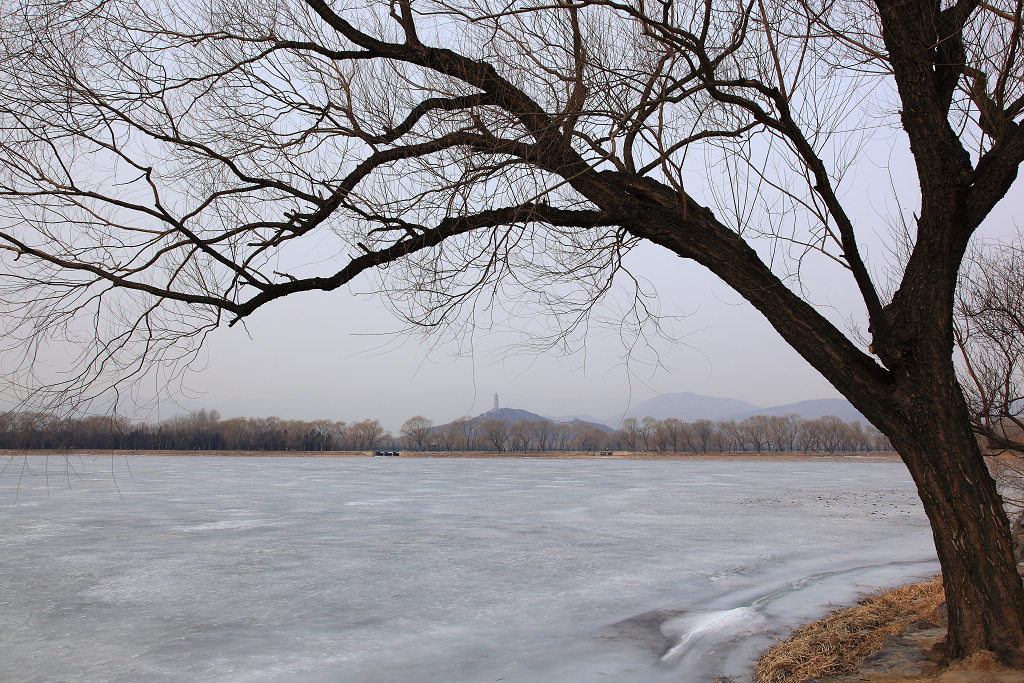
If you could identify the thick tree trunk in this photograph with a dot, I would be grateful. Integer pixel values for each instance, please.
(984, 594)
(913, 398)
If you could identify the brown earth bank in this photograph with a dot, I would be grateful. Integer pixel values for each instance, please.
(872, 456)
(229, 454)
(892, 636)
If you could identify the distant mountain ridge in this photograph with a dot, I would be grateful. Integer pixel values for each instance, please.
(514, 415)
(690, 407)
(810, 410)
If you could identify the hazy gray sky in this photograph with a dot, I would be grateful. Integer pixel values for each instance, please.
(317, 356)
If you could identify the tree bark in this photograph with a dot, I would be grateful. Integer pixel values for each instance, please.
(984, 594)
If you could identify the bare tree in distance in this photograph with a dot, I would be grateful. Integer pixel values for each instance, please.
(417, 432)
(573, 436)
(366, 435)
(451, 436)
(495, 433)
(542, 432)
(165, 169)
(646, 431)
(832, 432)
(1009, 473)
(469, 431)
(990, 338)
(783, 430)
(519, 437)
(756, 431)
(629, 433)
(705, 434)
(731, 436)
(204, 430)
(878, 440)
(673, 434)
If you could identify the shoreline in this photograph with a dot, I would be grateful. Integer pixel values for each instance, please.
(887, 636)
(786, 456)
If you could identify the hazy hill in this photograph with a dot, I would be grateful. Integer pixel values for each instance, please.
(600, 422)
(810, 410)
(510, 415)
(688, 406)
(593, 423)
(514, 415)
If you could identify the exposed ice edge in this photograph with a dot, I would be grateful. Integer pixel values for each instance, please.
(703, 628)
(679, 633)
(799, 584)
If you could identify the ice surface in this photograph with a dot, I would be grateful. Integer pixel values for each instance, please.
(401, 569)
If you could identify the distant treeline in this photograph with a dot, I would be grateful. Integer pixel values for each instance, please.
(205, 430)
(759, 433)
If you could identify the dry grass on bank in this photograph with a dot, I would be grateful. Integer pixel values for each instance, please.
(839, 643)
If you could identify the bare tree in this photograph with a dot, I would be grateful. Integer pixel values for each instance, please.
(237, 433)
(755, 431)
(647, 429)
(989, 334)
(469, 432)
(831, 433)
(452, 436)
(542, 432)
(1009, 472)
(417, 432)
(518, 436)
(878, 440)
(783, 430)
(857, 438)
(673, 434)
(587, 437)
(339, 431)
(704, 432)
(731, 436)
(990, 337)
(628, 433)
(7, 422)
(565, 436)
(810, 435)
(162, 168)
(496, 433)
(657, 437)
(367, 434)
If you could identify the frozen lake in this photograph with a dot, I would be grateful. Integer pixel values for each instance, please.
(402, 569)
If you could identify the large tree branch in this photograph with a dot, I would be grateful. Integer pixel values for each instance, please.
(912, 31)
(102, 272)
(428, 238)
(422, 109)
(785, 125)
(675, 221)
(995, 173)
(479, 74)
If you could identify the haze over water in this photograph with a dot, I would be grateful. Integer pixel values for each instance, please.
(396, 569)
